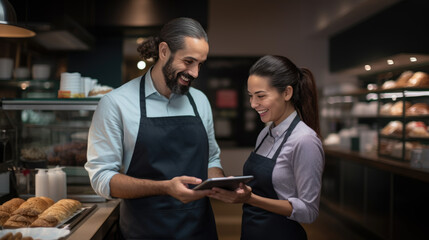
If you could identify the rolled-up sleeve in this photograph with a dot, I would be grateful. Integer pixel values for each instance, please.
(308, 168)
(104, 146)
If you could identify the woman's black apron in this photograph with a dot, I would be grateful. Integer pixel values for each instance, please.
(167, 147)
(258, 223)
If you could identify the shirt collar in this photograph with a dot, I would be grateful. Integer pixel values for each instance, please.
(280, 129)
(149, 87)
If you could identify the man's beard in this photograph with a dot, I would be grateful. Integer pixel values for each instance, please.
(173, 82)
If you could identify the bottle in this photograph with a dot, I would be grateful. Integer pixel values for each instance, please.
(53, 184)
(62, 183)
(42, 183)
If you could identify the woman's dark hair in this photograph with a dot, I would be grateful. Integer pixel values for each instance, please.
(173, 33)
(283, 72)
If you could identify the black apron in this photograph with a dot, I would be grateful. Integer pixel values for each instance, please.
(167, 147)
(258, 223)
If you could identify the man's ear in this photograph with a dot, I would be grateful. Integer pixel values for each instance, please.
(164, 50)
(288, 93)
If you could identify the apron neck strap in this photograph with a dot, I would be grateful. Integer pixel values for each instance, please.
(143, 99)
(289, 131)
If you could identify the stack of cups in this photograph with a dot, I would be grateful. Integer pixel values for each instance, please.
(71, 86)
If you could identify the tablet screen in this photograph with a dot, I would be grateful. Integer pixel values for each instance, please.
(228, 183)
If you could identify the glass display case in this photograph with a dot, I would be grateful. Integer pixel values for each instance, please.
(50, 133)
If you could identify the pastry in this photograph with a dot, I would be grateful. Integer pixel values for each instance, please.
(57, 213)
(388, 84)
(418, 109)
(28, 212)
(419, 79)
(397, 108)
(403, 79)
(416, 129)
(99, 91)
(393, 128)
(386, 108)
(8, 208)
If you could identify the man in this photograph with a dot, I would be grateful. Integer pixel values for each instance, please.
(153, 136)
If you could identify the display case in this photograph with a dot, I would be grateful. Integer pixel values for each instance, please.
(398, 115)
(51, 132)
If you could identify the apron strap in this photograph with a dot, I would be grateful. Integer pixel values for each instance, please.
(194, 106)
(260, 144)
(142, 97)
(289, 131)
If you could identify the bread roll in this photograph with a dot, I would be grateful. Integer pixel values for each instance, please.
(393, 128)
(419, 79)
(403, 79)
(389, 84)
(418, 109)
(57, 213)
(8, 208)
(28, 212)
(397, 108)
(386, 109)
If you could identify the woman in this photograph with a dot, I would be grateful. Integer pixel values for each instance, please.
(288, 160)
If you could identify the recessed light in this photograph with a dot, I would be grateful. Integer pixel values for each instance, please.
(413, 59)
(390, 62)
(368, 67)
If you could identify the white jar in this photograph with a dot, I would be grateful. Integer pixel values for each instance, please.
(42, 183)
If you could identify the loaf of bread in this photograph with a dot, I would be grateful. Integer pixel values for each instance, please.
(418, 109)
(393, 128)
(403, 79)
(419, 79)
(57, 213)
(28, 212)
(389, 84)
(8, 208)
(397, 108)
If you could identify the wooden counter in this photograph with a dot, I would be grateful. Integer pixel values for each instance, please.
(383, 198)
(99, 224)
(373, 160)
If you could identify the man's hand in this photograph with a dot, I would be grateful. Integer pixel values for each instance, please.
(178, 188)
(240, 195)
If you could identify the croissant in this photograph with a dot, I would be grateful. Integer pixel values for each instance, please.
(8, 208)
(28, 212)
(57, 213)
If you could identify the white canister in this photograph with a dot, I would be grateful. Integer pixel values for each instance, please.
(6, 68)
(53, 184)
(62, 183)
(42, 183)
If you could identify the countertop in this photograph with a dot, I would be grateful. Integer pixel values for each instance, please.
(98, 223)
(372, 159)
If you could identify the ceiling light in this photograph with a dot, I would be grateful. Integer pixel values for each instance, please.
(368, 67)
(8, 24)
(390, 62)
(413, 59)
(141, 65)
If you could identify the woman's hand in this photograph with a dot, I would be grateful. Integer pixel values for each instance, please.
(241, 195)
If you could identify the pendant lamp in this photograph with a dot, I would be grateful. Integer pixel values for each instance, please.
(8, 24)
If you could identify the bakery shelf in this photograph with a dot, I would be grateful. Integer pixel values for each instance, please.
(50, 104)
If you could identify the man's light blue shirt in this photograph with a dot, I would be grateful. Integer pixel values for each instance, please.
(115, 125)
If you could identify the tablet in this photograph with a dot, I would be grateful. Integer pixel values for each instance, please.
(228, 183)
